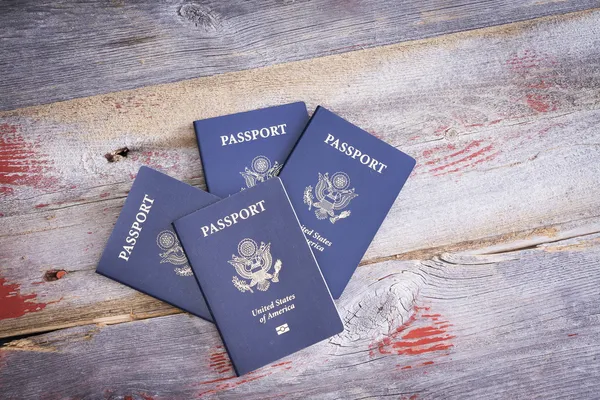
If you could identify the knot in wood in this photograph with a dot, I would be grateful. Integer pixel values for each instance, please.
(385, 302)
(201, 16)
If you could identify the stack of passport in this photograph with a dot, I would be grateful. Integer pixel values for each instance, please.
(292, 205)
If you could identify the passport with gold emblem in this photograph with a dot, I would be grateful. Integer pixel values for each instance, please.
(241, 150)
(258, 275)
(143, 251)
(342, 181)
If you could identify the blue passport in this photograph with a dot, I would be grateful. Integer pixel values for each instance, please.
(143, 251)
(258, 275)
(342, 181)
(240, 150)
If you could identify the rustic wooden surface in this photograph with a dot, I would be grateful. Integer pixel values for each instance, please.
(483, 280)
(57, 50)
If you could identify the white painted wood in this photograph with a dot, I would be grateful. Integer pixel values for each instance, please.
(503, 123)
(525, 326)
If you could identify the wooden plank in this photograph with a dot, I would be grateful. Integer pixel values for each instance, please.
(509, 150)
(56, 51)
(515, 324)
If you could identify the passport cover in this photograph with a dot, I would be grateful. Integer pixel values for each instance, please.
(240, 150)
(143, 251)
(342, 181)
(261, 281)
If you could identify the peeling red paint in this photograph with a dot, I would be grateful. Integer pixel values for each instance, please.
(537, 74)
(450, 159)
(470, 146)
(14, 305)
(464, 159)
(103, 195)
(540, 103)
(428, 153)
(219, 362)
(21, 162)
(6, 190)
(281, 364)
(250, 377)
(430, 335)
(227, 378)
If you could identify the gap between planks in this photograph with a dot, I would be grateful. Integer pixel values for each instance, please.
(501, 245)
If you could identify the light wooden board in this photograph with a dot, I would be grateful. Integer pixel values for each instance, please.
(55, 50)
(503, 123)
(514, 324)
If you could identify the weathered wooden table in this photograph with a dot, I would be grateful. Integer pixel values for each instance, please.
(484, 281)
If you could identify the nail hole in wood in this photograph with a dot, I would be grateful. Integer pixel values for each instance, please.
(54, 275)
(116, 155)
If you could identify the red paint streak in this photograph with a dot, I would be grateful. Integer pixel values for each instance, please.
(230, 385)
(14, 305)
(430, 152)
(430, 335)
(475, 143)
(281, 363)
(42, 205)
(406, 367)
(219, 362)
(540, 103)
(537, 74)
(21, 162)
(427, 363)
(423, 332)
(464, 159)
(529, 61)
(218, 380)
(539, 85)
(572, 334)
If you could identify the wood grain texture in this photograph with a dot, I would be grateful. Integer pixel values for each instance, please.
(503, 123)
(514, 324)
(62, 50)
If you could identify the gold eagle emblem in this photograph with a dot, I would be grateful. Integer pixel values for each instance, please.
(260, 170)
(253, 264)
(332, 195)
